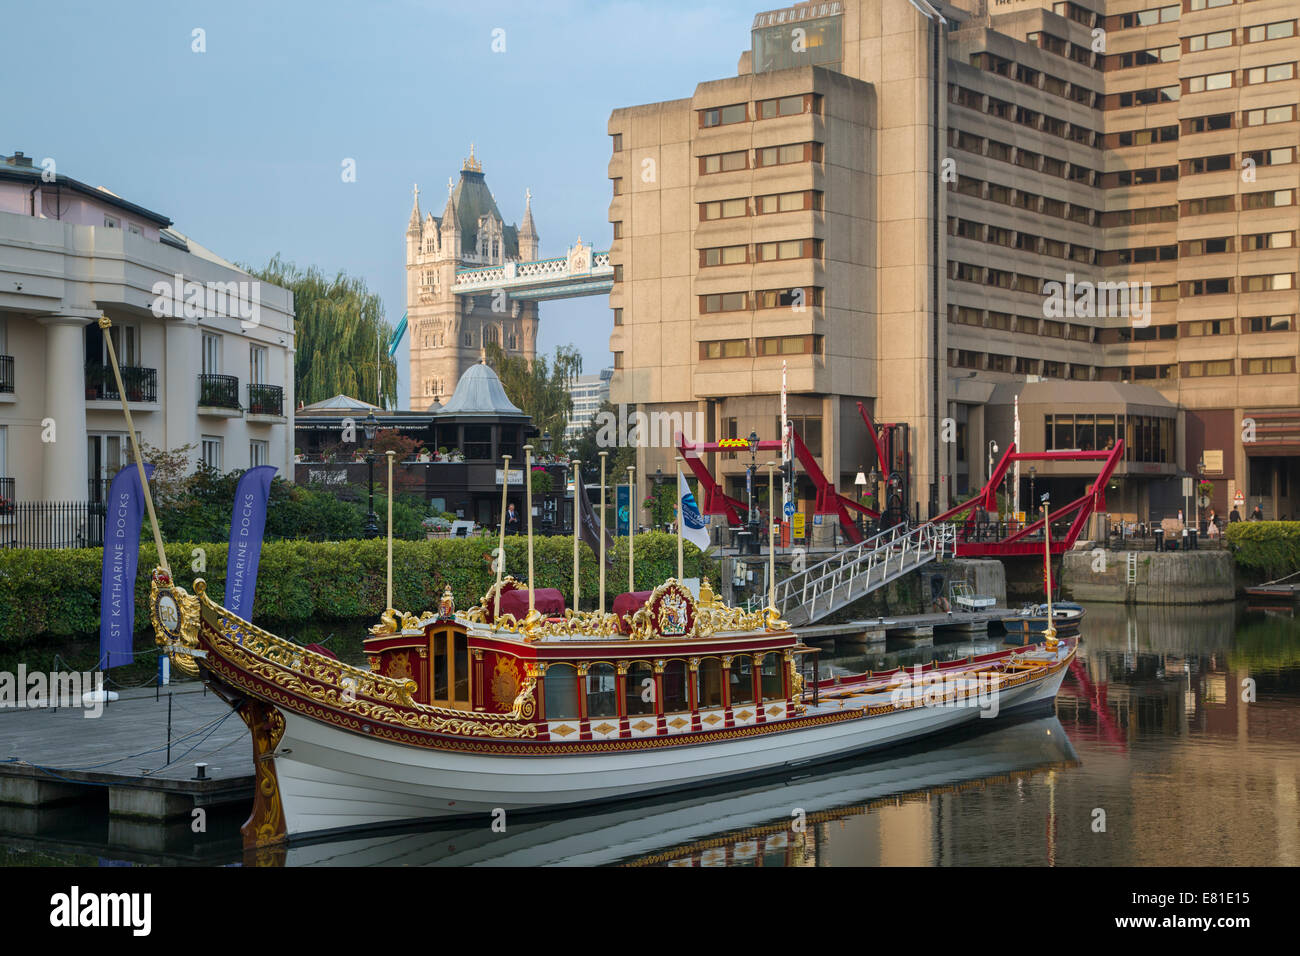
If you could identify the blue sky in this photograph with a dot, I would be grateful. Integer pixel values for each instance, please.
(242, 145)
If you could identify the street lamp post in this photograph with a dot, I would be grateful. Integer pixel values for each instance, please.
(369, 427)
(993, 450)
(860, 482)
(1200, 477)
(873, 482)
(1032, 472)
(749, 481)
(659, 480)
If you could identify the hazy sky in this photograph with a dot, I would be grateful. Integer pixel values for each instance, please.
(243, 145)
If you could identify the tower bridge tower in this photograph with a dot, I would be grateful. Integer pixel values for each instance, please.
(448, 331)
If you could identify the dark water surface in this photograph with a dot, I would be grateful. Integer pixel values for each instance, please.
(1153, 757)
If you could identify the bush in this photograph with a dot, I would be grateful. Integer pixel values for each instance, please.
(1268, 548)
(57, 592)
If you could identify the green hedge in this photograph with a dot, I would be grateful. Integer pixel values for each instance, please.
(57, 592)
(1268, 548)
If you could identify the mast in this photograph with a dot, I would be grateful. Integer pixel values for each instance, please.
(771, 536)
(389, 455)
(631, 525)
(575, 464)
(681, 516)
(106, 324)
(603, 456)
(528, 492)
(501, 545)
(1050, 632)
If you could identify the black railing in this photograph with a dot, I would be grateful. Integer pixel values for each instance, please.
(52, 524)
(6, 373)
(141, 384)
(219, 391)
(7, 494)
(265, 400)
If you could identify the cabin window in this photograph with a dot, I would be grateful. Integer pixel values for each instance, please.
(602, 698)
(772, 678)
(638, 696)
(561, 692)
(742, 680)
(449, 666)
(710, 686)
(675, 696)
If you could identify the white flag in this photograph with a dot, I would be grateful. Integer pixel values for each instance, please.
(691, 521)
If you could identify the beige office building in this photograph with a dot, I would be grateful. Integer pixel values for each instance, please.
(929, 208)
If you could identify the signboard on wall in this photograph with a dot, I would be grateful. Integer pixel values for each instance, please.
(1214, 461)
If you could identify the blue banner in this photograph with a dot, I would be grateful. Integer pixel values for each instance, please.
(246, 526)
(622, 509)
(123, 515)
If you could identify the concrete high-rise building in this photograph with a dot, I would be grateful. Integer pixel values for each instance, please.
(448, 331)
(931, 208)
(588, 392)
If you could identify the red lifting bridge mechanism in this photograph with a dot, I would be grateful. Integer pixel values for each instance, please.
(717, 502)
(970, 544)
(892, 462)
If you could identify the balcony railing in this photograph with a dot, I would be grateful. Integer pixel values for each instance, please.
(141, 384)
(6, 373)
(7, 493)
(51, 524)
(219, 391)
(265, 400)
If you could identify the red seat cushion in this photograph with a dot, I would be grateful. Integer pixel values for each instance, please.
(548, 601)
(627, 604)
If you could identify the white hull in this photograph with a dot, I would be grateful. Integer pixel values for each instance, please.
(331, 780)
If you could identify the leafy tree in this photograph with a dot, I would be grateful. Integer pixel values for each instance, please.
(540, 388)
(340, 335)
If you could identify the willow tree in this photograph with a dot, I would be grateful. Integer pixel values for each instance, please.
(340, 335)
(540, 388)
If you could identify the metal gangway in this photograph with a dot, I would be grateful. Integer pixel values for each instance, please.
(825, 587)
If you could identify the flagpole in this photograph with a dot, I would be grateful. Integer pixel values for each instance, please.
(575, 464)
(390, 455)
(528, 492)
(771, 536)
(681, 516)
(631, 525)
(501, 547)
(603, 456)
(106, 323)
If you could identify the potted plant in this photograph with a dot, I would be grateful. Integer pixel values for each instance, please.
(436, 526)
(424, 455)
(94, 380)
(297, 455)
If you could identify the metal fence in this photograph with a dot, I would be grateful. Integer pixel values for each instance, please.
(51, 524)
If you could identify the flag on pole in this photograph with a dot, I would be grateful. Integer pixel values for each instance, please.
(589, 522)
(692, 522)
(124, 513)
(247, 522)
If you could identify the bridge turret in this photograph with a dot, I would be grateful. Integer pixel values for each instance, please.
(450, 230)
(529, 241)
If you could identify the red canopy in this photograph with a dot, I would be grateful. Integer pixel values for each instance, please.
(548, 601)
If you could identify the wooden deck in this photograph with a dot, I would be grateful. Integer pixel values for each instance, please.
(53, 756)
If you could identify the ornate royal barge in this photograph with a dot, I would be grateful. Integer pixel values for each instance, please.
(501, 707)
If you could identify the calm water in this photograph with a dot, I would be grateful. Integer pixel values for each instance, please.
(1151, 738)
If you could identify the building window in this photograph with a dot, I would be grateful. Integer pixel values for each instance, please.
(210, 448)
(469, 339)
(256, 364)
(724, 162)
(790, 249)
(1268, 366)
(724, 115)
(1267, 240)
(784, 106)
(788, 298)
(1270, 31)
(1268, 323)
(790, 345)
(1207, 369)
(618, 360)
(1268, 116)
(259, 453)
(618, 142)
(211, 353)
(1279, 282)
(724, 302)
(618, 229)
(785, 155)
(724, 209)
(618, 185)
(1269, 199)
(1206, 327)
(724, 256)
(111, 223)
(788, 202)
(1269, 74)
(724, 348)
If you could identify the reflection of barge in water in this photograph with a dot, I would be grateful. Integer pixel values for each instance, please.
(738, 824)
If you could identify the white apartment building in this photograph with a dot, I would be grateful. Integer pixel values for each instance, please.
(206, 351)
(588, 392)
